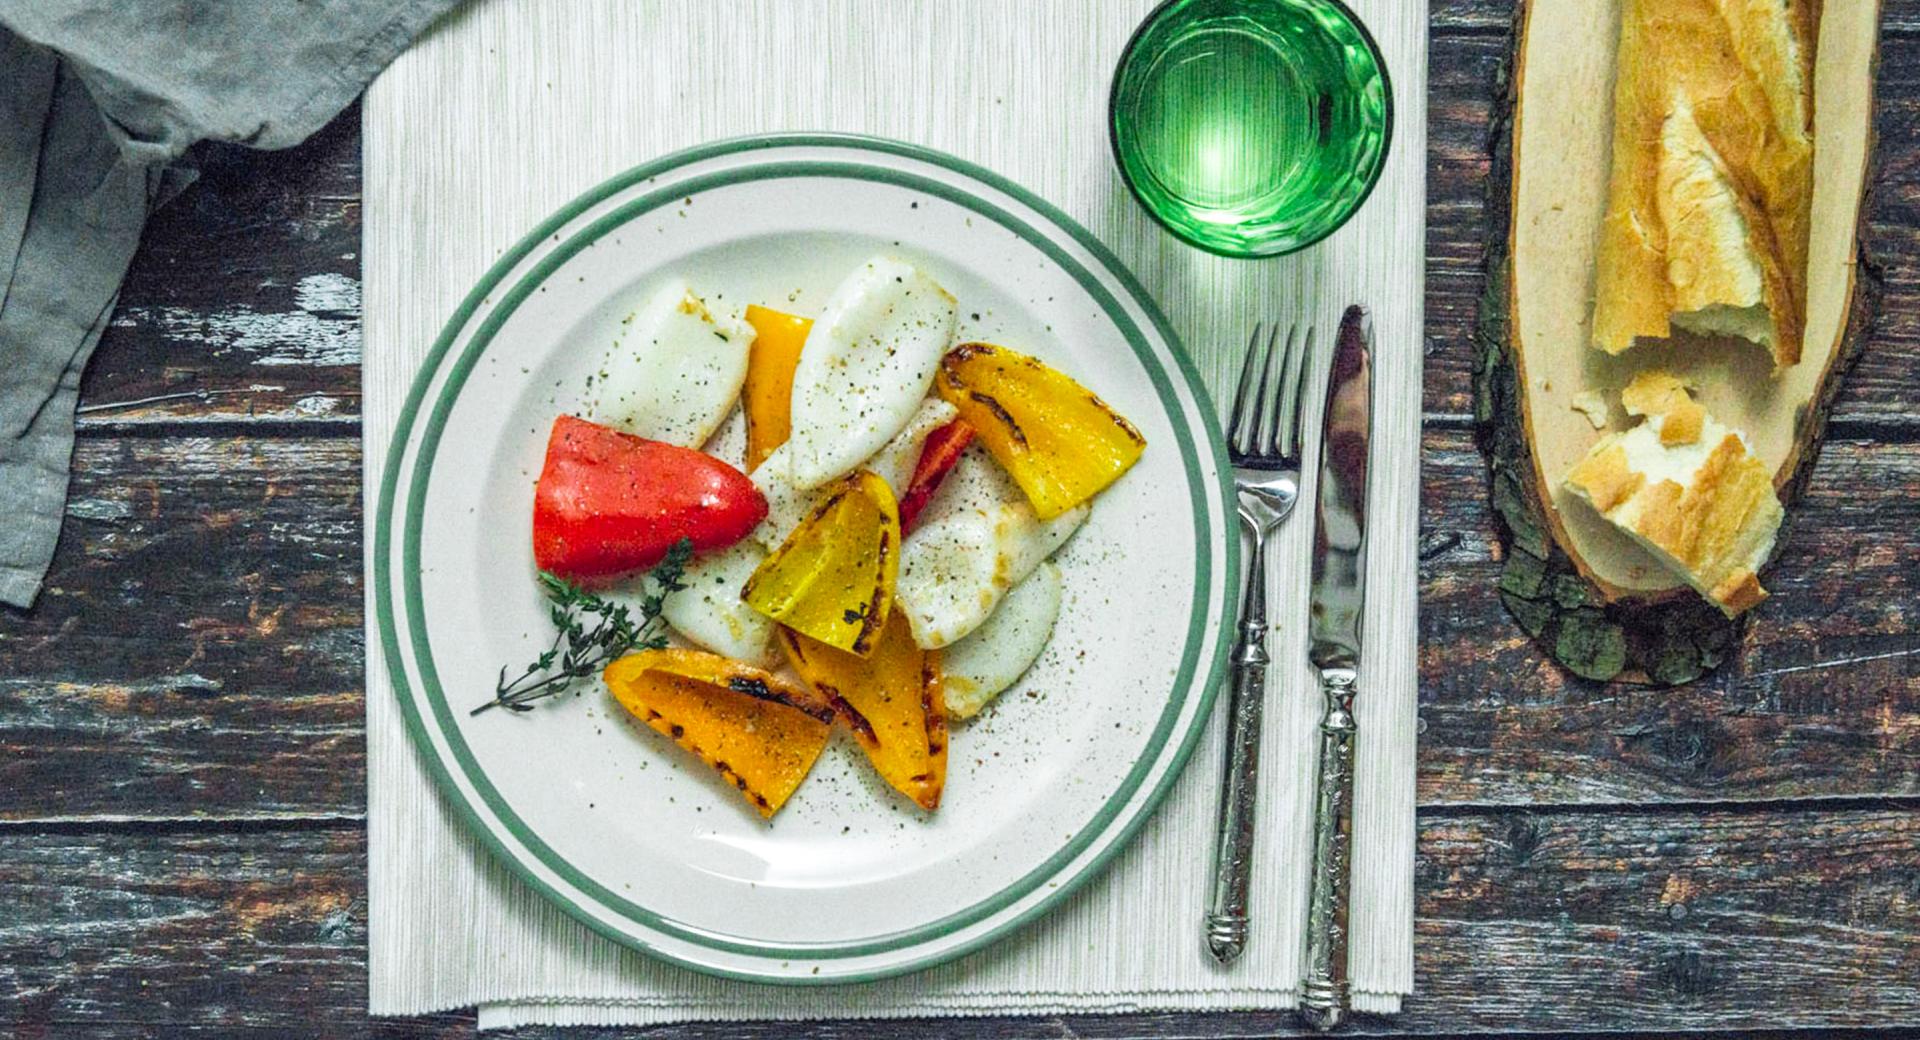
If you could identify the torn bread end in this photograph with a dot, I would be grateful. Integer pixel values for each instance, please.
(1686, 488)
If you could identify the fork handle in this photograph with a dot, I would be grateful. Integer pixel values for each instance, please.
(1233, 842)
(1323, 992)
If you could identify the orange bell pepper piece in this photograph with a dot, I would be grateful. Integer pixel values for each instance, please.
(761, 732)
(768, 392)
(892, 700)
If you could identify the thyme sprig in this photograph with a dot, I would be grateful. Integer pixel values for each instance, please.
(590, 632)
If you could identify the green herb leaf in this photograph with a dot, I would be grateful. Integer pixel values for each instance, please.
(589, 632)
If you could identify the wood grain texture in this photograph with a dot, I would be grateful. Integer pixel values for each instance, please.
(1556, 921)
(198, 650)
(244, 300)
(180, 718)
(1822, 699)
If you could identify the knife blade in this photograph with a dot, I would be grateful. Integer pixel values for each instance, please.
(1335, 611)
(1340, 524)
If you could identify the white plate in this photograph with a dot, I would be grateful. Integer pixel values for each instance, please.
(850, 881)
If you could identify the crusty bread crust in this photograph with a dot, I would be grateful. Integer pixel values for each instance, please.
(1715, 528)
(1710, 201)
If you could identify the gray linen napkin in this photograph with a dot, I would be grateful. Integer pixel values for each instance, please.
(98, 100)
(28, 73)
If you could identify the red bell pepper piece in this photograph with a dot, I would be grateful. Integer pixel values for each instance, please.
(938, 454)
(609, 503)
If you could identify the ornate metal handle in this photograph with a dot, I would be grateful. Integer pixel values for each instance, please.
(1233, 840)
(1323, 992)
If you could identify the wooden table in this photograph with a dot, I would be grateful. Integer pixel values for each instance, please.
(182, 829)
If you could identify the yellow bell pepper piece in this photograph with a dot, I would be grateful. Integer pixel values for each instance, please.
(892, 700)
(833, 577)
(1058, 441)
(761, 732)
(768, 393)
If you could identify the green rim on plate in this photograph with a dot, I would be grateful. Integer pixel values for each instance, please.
(484, 295)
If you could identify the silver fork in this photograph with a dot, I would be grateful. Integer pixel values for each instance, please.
(1263, 443)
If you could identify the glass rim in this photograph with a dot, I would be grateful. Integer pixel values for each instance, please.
(1129, 53)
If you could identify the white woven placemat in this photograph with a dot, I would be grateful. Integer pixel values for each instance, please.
(512, 107)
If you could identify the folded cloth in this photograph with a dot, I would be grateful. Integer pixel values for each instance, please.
(77, 235)
(27, 72)
(98, 101)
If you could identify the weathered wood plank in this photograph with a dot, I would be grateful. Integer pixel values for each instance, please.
(1547, 921)
(1824, 697)
(1714, 920)
(1878, 391)
(199, 649)
(208, 929)
(245, 295)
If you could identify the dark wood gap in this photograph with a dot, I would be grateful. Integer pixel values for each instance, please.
(1889, 30)
(1680, 807)
(153, 429)
(284, 823)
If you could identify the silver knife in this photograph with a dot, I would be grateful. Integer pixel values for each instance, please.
(1334, 623)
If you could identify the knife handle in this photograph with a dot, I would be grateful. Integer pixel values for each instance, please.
(1323, 992)
(1233, 837)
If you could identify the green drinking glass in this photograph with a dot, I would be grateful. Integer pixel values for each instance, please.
(1251, 128)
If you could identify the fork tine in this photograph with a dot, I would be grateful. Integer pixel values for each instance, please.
(1272, 385)
(1299, 351)
(1259, 435)
(1234, 431)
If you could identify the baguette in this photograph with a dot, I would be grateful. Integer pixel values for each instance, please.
(1686, 488)
(1709, 205)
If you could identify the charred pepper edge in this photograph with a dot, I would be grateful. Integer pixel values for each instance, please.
(992, 404)
(933, 702)
(838, 705)
(1131, 431)
(856, 720)
(759, 689)
(873, 613)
